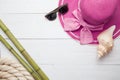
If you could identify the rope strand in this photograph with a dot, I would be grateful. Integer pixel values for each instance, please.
(13, 70)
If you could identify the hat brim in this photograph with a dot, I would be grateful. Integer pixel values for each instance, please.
(73, 4)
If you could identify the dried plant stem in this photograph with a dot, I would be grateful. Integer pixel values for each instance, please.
(23, 51)
(26, 65)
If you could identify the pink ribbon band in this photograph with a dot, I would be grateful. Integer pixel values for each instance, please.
(72, 24)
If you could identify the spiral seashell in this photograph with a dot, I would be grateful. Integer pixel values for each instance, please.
(106, 42)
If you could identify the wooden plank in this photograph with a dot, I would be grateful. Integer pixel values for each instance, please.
(82, 72)
(33, 26)
(86, 72)
(25, 6)
(66, 52)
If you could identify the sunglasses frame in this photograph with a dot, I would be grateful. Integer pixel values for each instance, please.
(53, 14)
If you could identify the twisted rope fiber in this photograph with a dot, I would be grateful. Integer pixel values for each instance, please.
(13, 70)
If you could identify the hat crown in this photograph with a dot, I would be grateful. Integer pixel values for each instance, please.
(97, 12)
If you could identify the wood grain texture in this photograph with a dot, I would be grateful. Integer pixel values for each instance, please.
(67, 52)
(60, 57)
(25, 6)
(33, 26)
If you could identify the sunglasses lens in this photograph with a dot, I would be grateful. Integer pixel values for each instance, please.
(51, 16)
(63, 9)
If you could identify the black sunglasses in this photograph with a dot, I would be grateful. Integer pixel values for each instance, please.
(61, 9)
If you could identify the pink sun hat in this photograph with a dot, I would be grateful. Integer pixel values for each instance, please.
(86, 19)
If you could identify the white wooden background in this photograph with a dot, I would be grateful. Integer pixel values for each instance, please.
(59, 56)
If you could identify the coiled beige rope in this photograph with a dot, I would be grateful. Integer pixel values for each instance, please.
(13, 70)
